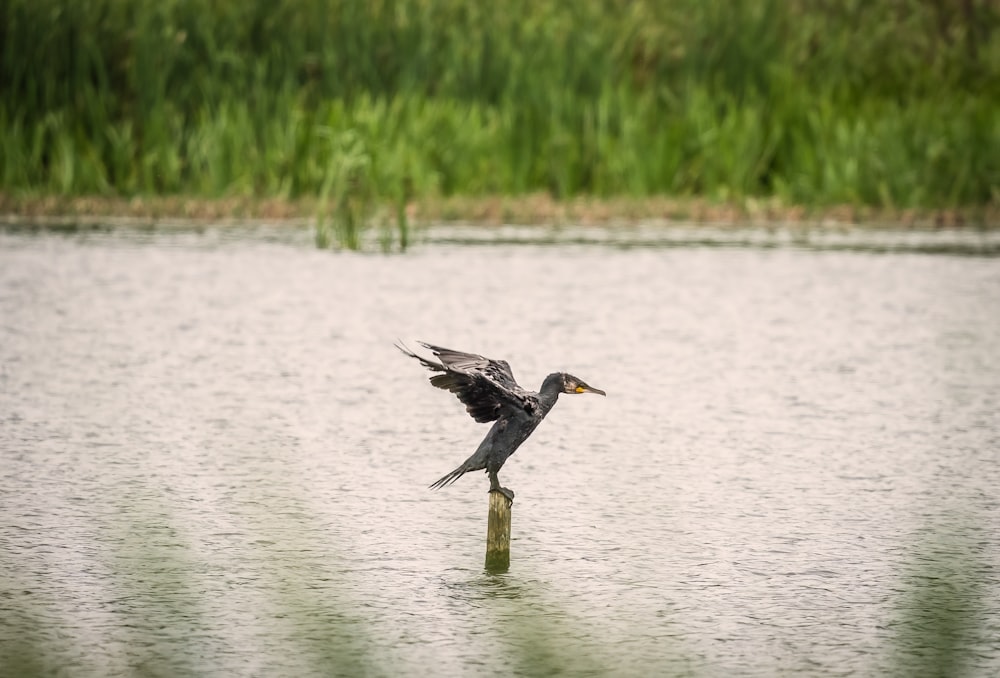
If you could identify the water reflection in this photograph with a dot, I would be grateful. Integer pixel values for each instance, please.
(940, 612)
(210, 463)
(536, 636)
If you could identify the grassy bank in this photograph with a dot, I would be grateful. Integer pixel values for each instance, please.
(890, 104)
(485, 210)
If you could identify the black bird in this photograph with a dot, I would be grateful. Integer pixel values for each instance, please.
(489, 392)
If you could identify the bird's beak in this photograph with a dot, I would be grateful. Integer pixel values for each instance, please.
(583, 388)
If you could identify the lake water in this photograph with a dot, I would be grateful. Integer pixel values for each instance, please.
(214, 462)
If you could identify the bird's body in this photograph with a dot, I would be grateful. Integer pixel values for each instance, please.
(490, 393)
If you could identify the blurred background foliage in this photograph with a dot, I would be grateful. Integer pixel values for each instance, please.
(890, 103)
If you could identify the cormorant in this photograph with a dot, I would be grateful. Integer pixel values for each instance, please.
(489, 392)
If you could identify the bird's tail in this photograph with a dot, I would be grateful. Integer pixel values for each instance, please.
(450, 478)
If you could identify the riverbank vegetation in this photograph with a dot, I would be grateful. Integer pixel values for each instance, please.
(883, 104)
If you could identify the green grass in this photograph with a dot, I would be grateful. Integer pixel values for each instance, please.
(890, 103)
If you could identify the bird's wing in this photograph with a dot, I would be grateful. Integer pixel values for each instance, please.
(486, 387)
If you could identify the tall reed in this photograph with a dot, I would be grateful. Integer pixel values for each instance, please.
(365, 104)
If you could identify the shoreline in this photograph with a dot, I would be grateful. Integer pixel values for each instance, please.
(527, 210)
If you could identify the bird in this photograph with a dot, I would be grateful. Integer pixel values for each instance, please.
(489, 392)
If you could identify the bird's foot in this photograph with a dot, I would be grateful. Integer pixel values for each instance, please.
(508, 493)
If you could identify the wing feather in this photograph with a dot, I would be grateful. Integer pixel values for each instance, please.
(486, 387)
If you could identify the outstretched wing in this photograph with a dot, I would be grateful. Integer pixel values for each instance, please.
(486, 387)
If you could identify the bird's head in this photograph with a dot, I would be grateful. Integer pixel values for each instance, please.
(573, 384)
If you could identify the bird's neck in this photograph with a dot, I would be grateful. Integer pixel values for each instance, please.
(550, 390)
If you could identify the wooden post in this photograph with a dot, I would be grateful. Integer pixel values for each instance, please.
(498, 534)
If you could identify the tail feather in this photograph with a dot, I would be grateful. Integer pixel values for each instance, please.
(450, 478)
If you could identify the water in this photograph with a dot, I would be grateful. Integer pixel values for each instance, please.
(214, 462)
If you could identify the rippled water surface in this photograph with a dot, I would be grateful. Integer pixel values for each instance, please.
(214, 462)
